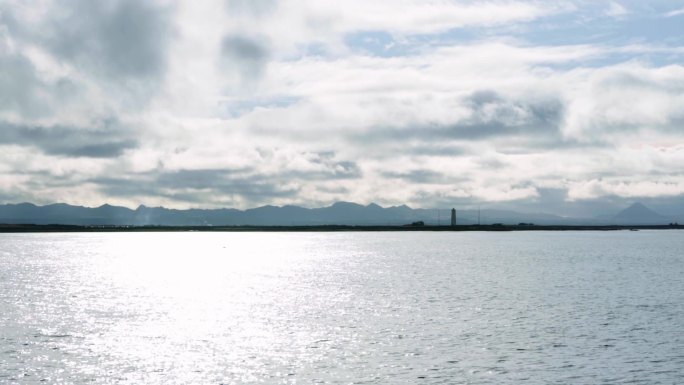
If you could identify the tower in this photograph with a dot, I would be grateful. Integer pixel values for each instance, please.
(453, 217)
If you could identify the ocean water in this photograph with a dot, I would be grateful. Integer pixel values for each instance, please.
(342, 308)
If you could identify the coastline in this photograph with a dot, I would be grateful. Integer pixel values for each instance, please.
(29, 228)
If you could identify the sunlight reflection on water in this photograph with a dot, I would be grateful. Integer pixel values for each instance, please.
(180, 308)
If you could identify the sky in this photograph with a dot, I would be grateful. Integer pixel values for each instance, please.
(574, 107)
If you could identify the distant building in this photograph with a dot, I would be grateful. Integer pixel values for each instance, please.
(453, 217)
(415, 224)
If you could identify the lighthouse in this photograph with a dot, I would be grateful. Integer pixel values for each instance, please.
(453, 217)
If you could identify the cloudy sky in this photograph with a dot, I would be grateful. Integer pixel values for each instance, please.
(566, 106)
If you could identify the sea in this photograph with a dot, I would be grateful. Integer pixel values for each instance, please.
(535, 307)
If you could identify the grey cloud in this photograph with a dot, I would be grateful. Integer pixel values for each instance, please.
(332, 170)
(10, 197)
(339, 190)
(251, 7)
(494, 115)
(9, 25)
(121, 39)
(246, 54)
(436, 150)
(19, 86)
(517, 146)
(198, 186)
(23, 92)
(491, 117)
(433, 199)
(205, 185)
(329, 166)
(223, 179)
(41, 179)
(490, 163)
(15, 194)
(109, 141)
(245, 48)
(418, 176)
(387, 148)
(118, 46)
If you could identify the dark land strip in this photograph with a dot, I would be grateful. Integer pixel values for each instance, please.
(27, 228)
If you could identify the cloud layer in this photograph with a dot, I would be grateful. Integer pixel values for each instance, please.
(242, 103)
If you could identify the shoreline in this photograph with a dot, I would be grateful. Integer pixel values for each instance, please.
(29, 228)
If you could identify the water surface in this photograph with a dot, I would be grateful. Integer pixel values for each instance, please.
(342, 308)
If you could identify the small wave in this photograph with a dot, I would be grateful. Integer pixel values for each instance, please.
(41, 335)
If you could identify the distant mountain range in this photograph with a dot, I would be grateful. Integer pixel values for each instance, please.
(640, 214)
(340, 213)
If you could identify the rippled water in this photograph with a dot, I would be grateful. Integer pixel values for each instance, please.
(342, 308)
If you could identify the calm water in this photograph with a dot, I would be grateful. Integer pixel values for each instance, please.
(342, 308)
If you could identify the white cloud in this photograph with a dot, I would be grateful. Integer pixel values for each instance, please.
(676, 12)
(616, 9)
(593, 189)
(420, 16)
(490, 119)
(624, 100)
(304, 20)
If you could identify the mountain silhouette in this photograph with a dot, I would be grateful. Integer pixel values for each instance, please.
(638, 214)
(340, 213)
